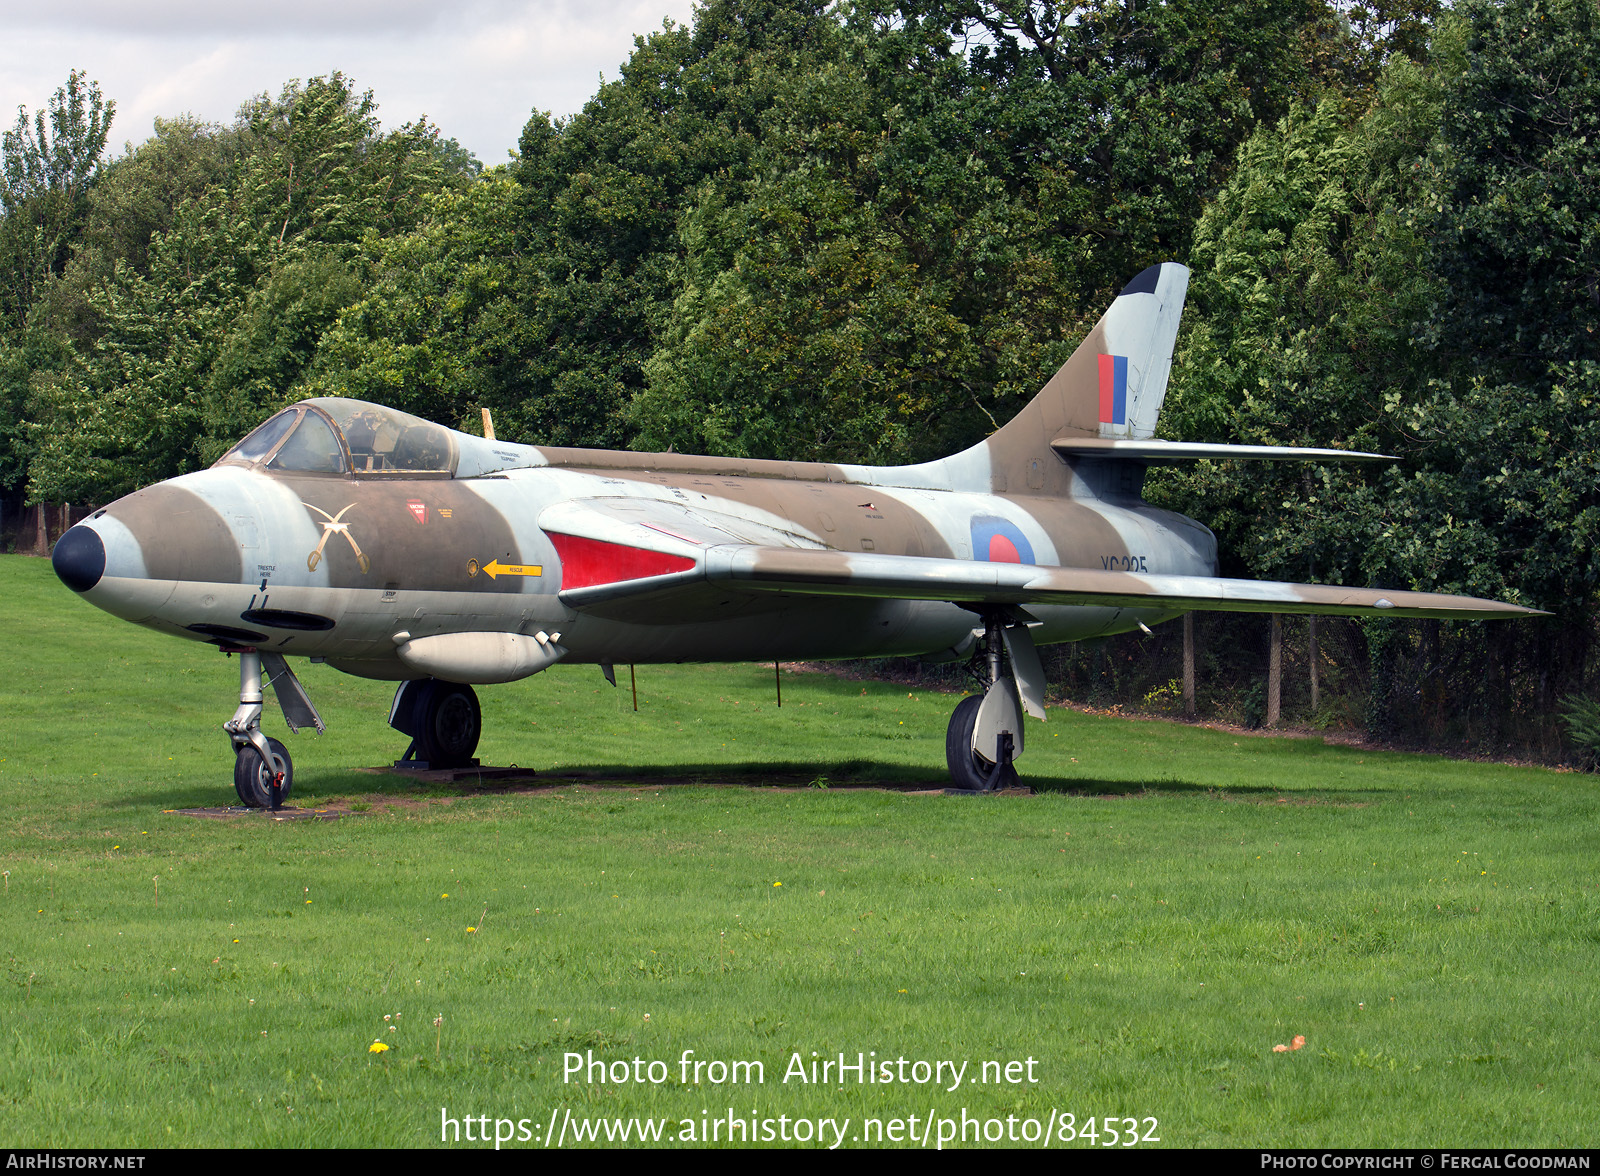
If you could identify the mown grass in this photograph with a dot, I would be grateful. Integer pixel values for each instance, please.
(1173, 903)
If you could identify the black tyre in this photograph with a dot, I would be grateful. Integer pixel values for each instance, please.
(448, 724)
(967, 770)
(251, 779)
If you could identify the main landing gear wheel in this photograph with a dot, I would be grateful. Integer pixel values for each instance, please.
(451, 724)
(253, 782)
(443, 720)
(986, 725)
(970, 771)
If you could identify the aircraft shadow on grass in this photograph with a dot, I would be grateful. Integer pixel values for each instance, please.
(851, 775)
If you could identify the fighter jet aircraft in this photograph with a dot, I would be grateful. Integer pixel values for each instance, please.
(392, 548)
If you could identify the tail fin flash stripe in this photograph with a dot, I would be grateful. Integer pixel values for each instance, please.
(1113, 389)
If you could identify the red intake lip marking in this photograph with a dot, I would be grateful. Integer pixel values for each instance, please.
(587, 562)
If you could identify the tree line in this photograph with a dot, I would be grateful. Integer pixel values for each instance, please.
(870, 232)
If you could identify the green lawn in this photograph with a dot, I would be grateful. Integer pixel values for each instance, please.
(1172, 904)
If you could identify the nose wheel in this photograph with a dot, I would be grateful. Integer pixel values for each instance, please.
(254, 783)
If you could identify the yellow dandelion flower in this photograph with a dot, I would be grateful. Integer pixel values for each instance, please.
(377, 1047)
(777, 883)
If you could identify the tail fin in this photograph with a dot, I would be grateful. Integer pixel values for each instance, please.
(1110, 390)
(1112, 386)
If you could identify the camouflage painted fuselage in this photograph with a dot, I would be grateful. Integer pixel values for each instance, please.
(224, 555)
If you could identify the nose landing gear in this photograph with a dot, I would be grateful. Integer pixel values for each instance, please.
(263, 773)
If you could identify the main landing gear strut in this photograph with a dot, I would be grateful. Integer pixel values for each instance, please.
(985, 732)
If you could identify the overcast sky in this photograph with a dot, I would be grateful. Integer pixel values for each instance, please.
(476, 68)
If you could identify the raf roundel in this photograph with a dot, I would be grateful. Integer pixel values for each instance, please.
(997, 540)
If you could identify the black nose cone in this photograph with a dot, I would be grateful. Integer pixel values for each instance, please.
(80, 559)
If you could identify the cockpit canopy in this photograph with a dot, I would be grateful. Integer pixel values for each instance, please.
(333, 435)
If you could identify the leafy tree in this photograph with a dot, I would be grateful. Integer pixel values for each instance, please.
(46, 167)
(134, 200)
(217, 323)
(604, 193)
(438, 330)
(938, 209)
(1419, 284)
(1510, 424)
(1299, 331)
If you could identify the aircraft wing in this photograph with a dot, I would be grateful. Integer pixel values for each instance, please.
(913, 578)
(665, 561)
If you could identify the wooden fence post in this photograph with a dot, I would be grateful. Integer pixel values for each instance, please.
(1275, 673)
(1312, 651)
(1188, 665)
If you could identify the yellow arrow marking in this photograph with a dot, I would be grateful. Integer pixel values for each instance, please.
(495, 568)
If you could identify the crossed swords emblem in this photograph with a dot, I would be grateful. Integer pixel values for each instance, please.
(334, 527)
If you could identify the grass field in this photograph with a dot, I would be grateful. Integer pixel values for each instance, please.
(1172, 904)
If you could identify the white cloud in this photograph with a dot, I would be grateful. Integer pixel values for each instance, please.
(476, 70)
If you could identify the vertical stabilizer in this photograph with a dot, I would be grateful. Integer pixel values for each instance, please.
(1112, 386)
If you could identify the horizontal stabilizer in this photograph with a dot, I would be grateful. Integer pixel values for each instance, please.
(1152, 452)
(905, 577)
